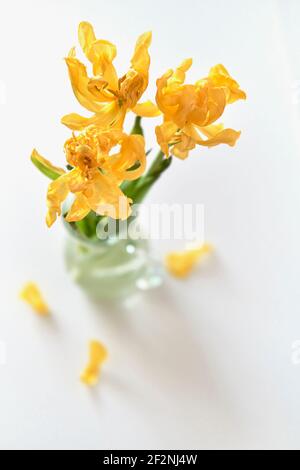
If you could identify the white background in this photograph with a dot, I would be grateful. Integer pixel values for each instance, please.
(205, 363)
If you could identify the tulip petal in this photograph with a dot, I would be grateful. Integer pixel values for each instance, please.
(79, 209)
(146, 109)
(178, 75)
(111, 115)
(86, 36)
(132, 153)
(77, 123)
(181, 263)
(103, 53)
(80, 84)
(57, 192)
(141, 59)
(100, 53)
(165, 134)
(97, 356)
(182, 148)
(216, 102)
(106, 198)
(33, 296)
(221, 77)
(214, 134)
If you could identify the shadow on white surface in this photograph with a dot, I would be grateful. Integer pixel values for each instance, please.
(171, 375)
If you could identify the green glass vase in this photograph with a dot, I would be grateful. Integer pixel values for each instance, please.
(111, 269)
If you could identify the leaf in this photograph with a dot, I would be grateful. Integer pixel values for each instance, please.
(45, 166)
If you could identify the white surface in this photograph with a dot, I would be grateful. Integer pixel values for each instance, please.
(201, 364)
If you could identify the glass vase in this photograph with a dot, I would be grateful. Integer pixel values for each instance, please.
(111, 269)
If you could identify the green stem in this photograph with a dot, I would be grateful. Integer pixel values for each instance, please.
(137, 190)
(137, 127)
(156, 164)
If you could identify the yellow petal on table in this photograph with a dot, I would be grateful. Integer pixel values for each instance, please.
(181, 263)
(32, 295)
(97, 355)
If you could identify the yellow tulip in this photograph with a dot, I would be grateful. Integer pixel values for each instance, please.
(190, 111)
(97, 355)
(33, 296)
(97, 174)
(181, 263)
(106, 95)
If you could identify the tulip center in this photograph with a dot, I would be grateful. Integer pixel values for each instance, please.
(130, 89)
(86, 159)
